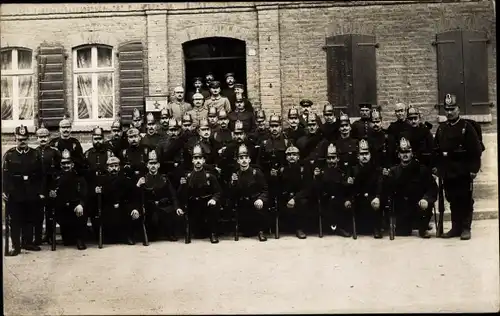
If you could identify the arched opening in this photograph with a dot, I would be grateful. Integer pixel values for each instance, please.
(218, 55)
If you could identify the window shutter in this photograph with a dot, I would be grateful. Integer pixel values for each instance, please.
(450, 67)
(51, 85)
(339, 73)
(131, 60)
(364, 70)
(475, 61)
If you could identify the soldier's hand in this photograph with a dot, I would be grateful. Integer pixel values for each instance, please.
(350, 180)
(212, 202)
(52, 193)
(376, 203)
(258, 204)
(274, 172)
(134, 214)
(348, 204)
(183, 180)
(141, 182)
(473, 175)
(98, 190)
(234, 177)
(423, 204)
(42, 196)
(317, 171)
(79, 210)
(179, 212)
(5, 197)
(291, 203)
(385, 172)
(116, 205)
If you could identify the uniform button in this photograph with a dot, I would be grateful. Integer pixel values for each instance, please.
(366, 194)
(445, 153)
(332, 197)
(137, 172)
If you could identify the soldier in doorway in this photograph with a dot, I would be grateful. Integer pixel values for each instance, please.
(66, 141)
(215, 99)
(198, 88)
(242, 112)
(240, 97)
(361, 128)
(249, 191)
(330, 128)
(295, 130)
(22, 191)
(209, 77)
(152, 138)
(178, 107)
(199, 110)
(458, 151)
(229, 89)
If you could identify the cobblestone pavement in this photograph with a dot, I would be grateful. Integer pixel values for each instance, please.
(315, 275)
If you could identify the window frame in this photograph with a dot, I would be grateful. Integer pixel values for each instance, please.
(94, 71)
(15, 73)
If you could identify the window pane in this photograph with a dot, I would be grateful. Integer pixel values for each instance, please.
(7, 59)
(6, 87)
(24, 59)
(105, 84)
(84, 58)
(84, 108)
(105, 107)
(84, 85)
(25, 86)
(6, 109)
(26, 109)
(104, 57)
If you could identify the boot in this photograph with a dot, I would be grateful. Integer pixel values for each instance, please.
(453, 232)
(423, 233)
(14, 252)
(32, 247)
(130, 240)
(80, 244)
(214, 239)
(261, 236)
(377, 234)
(172, 238)
(341, 232)
(300, 234)
(465, 234)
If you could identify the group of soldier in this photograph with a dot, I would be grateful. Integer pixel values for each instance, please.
(219, 161)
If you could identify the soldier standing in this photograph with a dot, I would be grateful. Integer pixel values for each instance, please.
(381, 144)
(421, 138)
(401, 125)
(160, 202)
(411, 192)
(66, 141)
(240, 97)
(201, 192)
(206, 142)
(165, 115)
(261, 132)
(361, 128)
(188, 127)
(51, 163)
(178, 107)
(152, 138)
(215, 99)
(199, 110)
(213, 117)
(138, 122)
(198, 88)
(205, 90)
(118, 142)
(346, 146)
(366, 193)
(134, 157)
(241, 112)
(69, 190)
(312, 146)
(222, 133)
(295, 130)
(330, 128)
(229, 90)
(306, 107)
(22, 191)
(458, 159)
(249, 190)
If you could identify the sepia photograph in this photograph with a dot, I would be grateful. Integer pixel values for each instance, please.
(274, 157)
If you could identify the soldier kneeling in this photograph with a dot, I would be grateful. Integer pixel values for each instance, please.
(412, 191)
(201, 191)
(160, 201)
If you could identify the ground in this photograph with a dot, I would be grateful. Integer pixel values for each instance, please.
(288, 275)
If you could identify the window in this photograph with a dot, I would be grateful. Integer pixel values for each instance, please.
(93, 83)
(17, 86)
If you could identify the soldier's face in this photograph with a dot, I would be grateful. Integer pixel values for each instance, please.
(179, 95)
(224, 122)
(244, 161)
(215, 91)
(204, 132)
(198, 84)
(209, 79)
(452, 113)
(240, 105)
(164, 121)
(65, 131)
(97, 141)
(292, 157)
(67, 166)
(345, 128)
(198, 102)
(376, 124)
(230, 80)
(151, 128)
(312, 128)
(212, 120)
(332, 160)
(173, 132)
(414, 121)
(133, 140)
(293, 121)
(115, 133)
(329, 117)
(400, 113)
(364, 157)
(22, 141)
(239, 136)
(187, 126)
(365, 113)
(153, 167)
(43, 140)
(261, 124)
(137, 123)
(405, 157)
(114, 168)
(198, 162)
(275, 129)
(305, 111)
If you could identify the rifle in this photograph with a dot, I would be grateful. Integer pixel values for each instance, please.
(390, 210)
(275, 165)
(236, 221)
(7, 230)
(145, 240)
(354, 233)
(99, 203)
(439, 228)
(53, 222)
(187, 237)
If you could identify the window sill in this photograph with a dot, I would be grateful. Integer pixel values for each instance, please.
(87, 126)
(480, 118)
(9, 126)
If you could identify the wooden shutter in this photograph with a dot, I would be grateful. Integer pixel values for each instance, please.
(364, 68)
(450, 68)
(339, 73)
(475, 63)
(131, 59)
(51, 85)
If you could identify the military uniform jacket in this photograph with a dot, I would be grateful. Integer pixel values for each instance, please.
(22, 176)
(159, 194)
(219, 103)
(70, 188)
(228, 156)
(134, 161)
(360, 129)
(422, 144)
(51, 164)
(96, 167)
(332, 183)
(312, 147)
(198, 113)
(246, 117)
(347, 150)
(251, 185)
(172, 149)
(272, 153)
(382, 148)
(222, 136)
(294, 134)
(367, 182)
(230, 95)
(295, 182)
(396, 129)
(330, 131)
(150, 141)
(200, 184)
(117, 146)
(247, 105)
(118, 189)
(178, 109)
(74, 147)
(208, 146)
(458, 149)
(258, 135)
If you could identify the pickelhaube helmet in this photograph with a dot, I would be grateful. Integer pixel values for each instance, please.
(222, 114)
(413, 112)
(292, 150)
(152, 157)
(113, 160)
(331, 150)
(65, 122)
(363, 146)
(261, 116)
(343, 117)
(42, 131)
(150, 118)
(116, 125)
(242, 150)
(197, 151)
(97, 131)
(21, 130)
(136, 115)
(204, 123)
(65, 156)
(328, 108)
(212, 111)
(376, 116)
(172, 123)
(274, 119)
(404, 145)
(165, 113)
(293, 112)
(132, 131)
(187, 118)
(450, 101)
(238, 126)
(312, 118)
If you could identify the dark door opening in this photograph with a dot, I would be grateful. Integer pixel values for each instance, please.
(218, 55)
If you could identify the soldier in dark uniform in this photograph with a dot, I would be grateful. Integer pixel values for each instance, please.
(222, 134)
(165, 115)
(134, 157)
(333, 183)
(201, 192)
(118, 141)
(205, 90)
(65, 141)
(421, 138)
(152, 138)
(95, 165)
(366, 194)
(160, 202)
(295, 191)
(207, 143)
(249, 190)
(51, 163)
(347, 147)
(330, 128)
(242, 112)
(240, 97)
(361, 128)
(138, 122)
(260, 132)
(70, 192)
(381, 144)
(212, 117)
(411, 191)
(188, 128)
(401, 125)
(198, 88)
(295, 130)
(458, 160)
(228, 90)
(306, 107)
(22, 191)
(313, 145)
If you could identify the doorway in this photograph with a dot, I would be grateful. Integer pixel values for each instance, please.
(218, 55)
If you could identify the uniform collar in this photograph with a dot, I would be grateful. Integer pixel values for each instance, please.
(454, 123)
(22, 151)
(215, 98)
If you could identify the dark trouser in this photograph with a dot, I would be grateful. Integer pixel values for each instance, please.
(91, 211)
(409, 215)
(39, 221)
(367, 219)
(250, 219)
(160, 222)
(201, 216)
(72, 226)
(115, 224)
(23, 217)
(335, 214)
(293, 218)
(458, 192)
